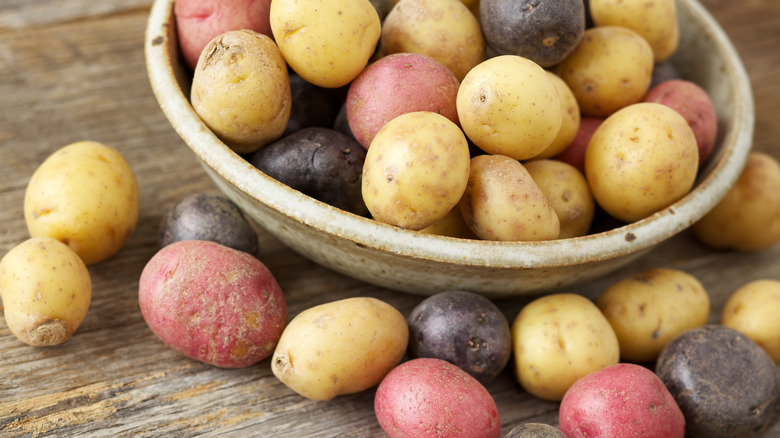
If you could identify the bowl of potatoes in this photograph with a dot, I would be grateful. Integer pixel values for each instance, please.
(390, 239)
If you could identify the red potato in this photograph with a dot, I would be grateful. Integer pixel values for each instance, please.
(429, 397)
(574, 154)
(622, 400)
(212, 303)
(199, 21)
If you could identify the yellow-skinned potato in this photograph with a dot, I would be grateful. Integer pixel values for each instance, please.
(241, 90)
(753, 311)
(452, 225)
(570, 121)
(508, 105)
(655, 21)
(556, 340)
(648, 309)
(327, 42)
(85, 195)
(568, 192)
(340, 347)
(46, 291)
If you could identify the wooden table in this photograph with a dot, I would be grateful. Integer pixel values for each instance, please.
(74, 70)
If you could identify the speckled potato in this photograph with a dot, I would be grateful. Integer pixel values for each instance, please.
(509, 105)
(557, 339)
(327, 42)
(753, 310)
(46, 291)
(570, 119)
(650, 308)
(445, 30)
(502, 202)
(610, 68)
(640, 160)
(655, 21)
(748, 217)
(85, 195)
(568, 192)
(340, 347)
(241, 90)
(416, 170)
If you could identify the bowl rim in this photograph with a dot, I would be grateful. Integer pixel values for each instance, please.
(616, 242)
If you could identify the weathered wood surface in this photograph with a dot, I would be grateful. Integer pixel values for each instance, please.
(74, 70)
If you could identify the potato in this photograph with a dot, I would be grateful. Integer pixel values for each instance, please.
(212, 303)
(543, 31)
(416, 170)
(502, 202)
(609, 69)
(556, 340)
(199, 21)
(45, 290)
(574, 154)
(327, 42)
(535, 430)
(753, 310)
(312, 106)
(508, 105)
(431, 397)
(748, 216)
(567, 190)
(570, 119)
(648, 309)
(84, 195)
(654, 21)
(640, 160)
(397, 84)
(341, 347)
(452, 225)
(445, 30)
(620, 401)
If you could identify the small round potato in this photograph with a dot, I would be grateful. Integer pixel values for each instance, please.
(452, 225)
(46, 291)
(568, 192)
(655, 21)
(416, 170)
(648, 309)
(557, 339)
(753, 311)
(86, 196)
(570, 121)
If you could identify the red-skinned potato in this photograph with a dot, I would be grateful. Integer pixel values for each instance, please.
(574, 154)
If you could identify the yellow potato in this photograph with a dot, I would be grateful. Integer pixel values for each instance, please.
(655, 21)
(46, 291)
(241, 90)
(748, 217)
(327, 42)
(648, 309)
(570, 121)
(86, 196)
(558, 339)
(452, 225)
(416, 170)
(610, 68)
(341, 347)
(502, 202)
(445, 30)
(568, 192)
(508, 105)
(640, 160)
(754, 310)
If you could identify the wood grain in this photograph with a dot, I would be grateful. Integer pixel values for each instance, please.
(73, 70)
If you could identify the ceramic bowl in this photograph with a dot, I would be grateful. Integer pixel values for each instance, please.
(420, 263)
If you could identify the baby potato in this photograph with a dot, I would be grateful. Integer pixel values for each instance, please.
(640, 160)
(241, 90)
(509, 105)
(654, 21)
(568, 192)
(648, 309)
(610, 68)
(327, 42)
(502, 202)
(46, 291)
(452, 225)
(570, 120)
(416, 170)
(753, 311)
(84, 195)
(557, 339)
(340, 347)
(445, 30)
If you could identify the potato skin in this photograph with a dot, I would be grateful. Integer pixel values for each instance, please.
(753, 310)
(535, 430)
(212, 303)
(340, 347)
(46, 291)
(570, 119)
(567, 190)
(85, 195)
(655, 21)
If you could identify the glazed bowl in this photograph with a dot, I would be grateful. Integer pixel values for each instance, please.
(425, 264)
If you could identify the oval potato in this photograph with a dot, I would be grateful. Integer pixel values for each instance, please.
(567, 190)
(654, 21)
(753, 310)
